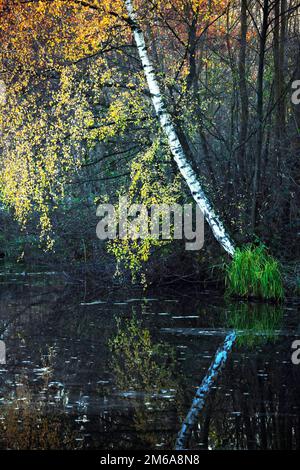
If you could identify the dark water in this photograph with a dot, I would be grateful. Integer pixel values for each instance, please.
(118, 370)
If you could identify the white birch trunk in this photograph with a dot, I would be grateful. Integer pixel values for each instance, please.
(183, 164)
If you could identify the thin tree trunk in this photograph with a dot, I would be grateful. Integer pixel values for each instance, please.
(260, 113)
(282, 51)
(295, 141)
(277, 74)
(243, 88)
(279, 52)
(192, 83)
(167, 125)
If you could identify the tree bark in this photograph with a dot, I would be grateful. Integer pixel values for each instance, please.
(193, 86)
(260, 112)
(243, 87)
(279, 81)
(168, 127)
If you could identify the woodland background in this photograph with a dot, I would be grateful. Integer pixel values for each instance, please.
(77, 128)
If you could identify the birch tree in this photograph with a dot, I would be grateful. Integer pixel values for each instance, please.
(176, 148)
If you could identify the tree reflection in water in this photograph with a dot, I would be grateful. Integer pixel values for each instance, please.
(255, 324)
(36, 421)
(147, 372)
(255, 404)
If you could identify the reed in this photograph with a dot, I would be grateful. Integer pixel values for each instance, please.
(253, 272)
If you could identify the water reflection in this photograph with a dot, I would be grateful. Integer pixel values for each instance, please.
(138, 363)
(255, 323)
(85, 381)
(252, 325)
(256, 404)
(37, 421)
(257, 410)
(146, 372)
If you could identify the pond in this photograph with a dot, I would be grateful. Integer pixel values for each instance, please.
(119, 369)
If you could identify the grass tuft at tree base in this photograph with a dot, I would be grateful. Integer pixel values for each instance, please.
(254, 273)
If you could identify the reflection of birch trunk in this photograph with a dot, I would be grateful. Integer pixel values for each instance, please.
(2, 353)
(2, 101)
(174, 143)
(203, 391)
(2, 93)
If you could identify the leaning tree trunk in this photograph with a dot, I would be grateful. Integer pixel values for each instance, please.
(174, 143)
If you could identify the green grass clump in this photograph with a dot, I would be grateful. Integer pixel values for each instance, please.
(254, 273)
